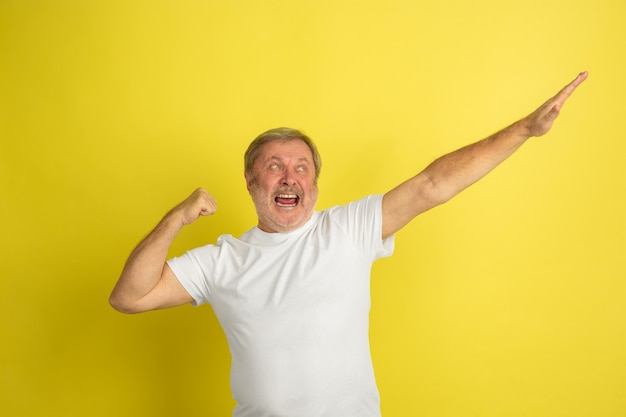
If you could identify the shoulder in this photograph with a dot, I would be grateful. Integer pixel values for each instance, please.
(372, 201)
(363, 208)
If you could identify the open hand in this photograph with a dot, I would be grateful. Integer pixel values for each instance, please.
(540, 121)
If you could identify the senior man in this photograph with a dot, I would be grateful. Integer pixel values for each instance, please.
(292, 294)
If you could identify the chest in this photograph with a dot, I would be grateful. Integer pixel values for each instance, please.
(311, 277)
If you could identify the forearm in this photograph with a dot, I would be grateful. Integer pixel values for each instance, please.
(449, 175)
(144, 266)
(452, 173)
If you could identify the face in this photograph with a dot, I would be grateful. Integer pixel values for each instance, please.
(283, 186)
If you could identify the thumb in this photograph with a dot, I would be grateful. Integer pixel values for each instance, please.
(553, 113)
(544, 124)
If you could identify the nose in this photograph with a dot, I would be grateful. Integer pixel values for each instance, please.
(289, 178)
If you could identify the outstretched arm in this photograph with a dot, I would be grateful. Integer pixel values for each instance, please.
(147, 282)
(452, 173)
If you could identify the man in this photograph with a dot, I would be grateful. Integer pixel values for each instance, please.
(292, 294)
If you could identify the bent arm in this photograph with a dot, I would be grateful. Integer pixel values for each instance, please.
(147, 282)
(452, 173)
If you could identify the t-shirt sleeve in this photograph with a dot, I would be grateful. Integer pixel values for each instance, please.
(362, 220)
(192, 271)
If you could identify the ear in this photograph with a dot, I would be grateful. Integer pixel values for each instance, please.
(249, 180)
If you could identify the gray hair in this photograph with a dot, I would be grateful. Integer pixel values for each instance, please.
(284, 134)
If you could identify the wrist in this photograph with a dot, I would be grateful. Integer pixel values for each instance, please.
(173, 221)
(521, 129)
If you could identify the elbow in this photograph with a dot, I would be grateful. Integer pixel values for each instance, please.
(437, 192)
(442, 197)
(119, 304)
(438, 197)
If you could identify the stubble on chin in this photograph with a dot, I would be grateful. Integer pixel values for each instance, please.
(268, 213)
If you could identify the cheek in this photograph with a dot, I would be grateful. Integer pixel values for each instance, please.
(260, 195)
(254, 191)
(313, 193)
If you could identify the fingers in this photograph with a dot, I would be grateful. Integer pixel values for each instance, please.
(541, 120)
(556, 103)
(204, 201)
(569, 88)
(199, 203)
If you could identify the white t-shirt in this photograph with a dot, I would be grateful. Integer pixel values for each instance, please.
(295, 310)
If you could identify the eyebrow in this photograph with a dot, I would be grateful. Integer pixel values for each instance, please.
(278, 158)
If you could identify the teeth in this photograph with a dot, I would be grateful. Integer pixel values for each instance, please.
(293, 197)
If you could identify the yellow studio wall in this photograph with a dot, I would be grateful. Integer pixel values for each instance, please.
(507, 301)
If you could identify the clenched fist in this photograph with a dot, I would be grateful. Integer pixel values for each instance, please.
(199, 203)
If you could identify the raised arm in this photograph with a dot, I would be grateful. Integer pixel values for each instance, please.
(452, 173)
(147, 282)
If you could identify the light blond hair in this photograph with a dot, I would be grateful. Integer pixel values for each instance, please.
(284, 134)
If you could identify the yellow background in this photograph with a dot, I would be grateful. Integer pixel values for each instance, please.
(508, 301)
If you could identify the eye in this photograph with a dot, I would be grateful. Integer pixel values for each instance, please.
(275, 167)
(301, 169)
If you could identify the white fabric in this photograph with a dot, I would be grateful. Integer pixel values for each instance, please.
(295, 310)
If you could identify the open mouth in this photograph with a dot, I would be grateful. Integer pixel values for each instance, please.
(287, 200)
